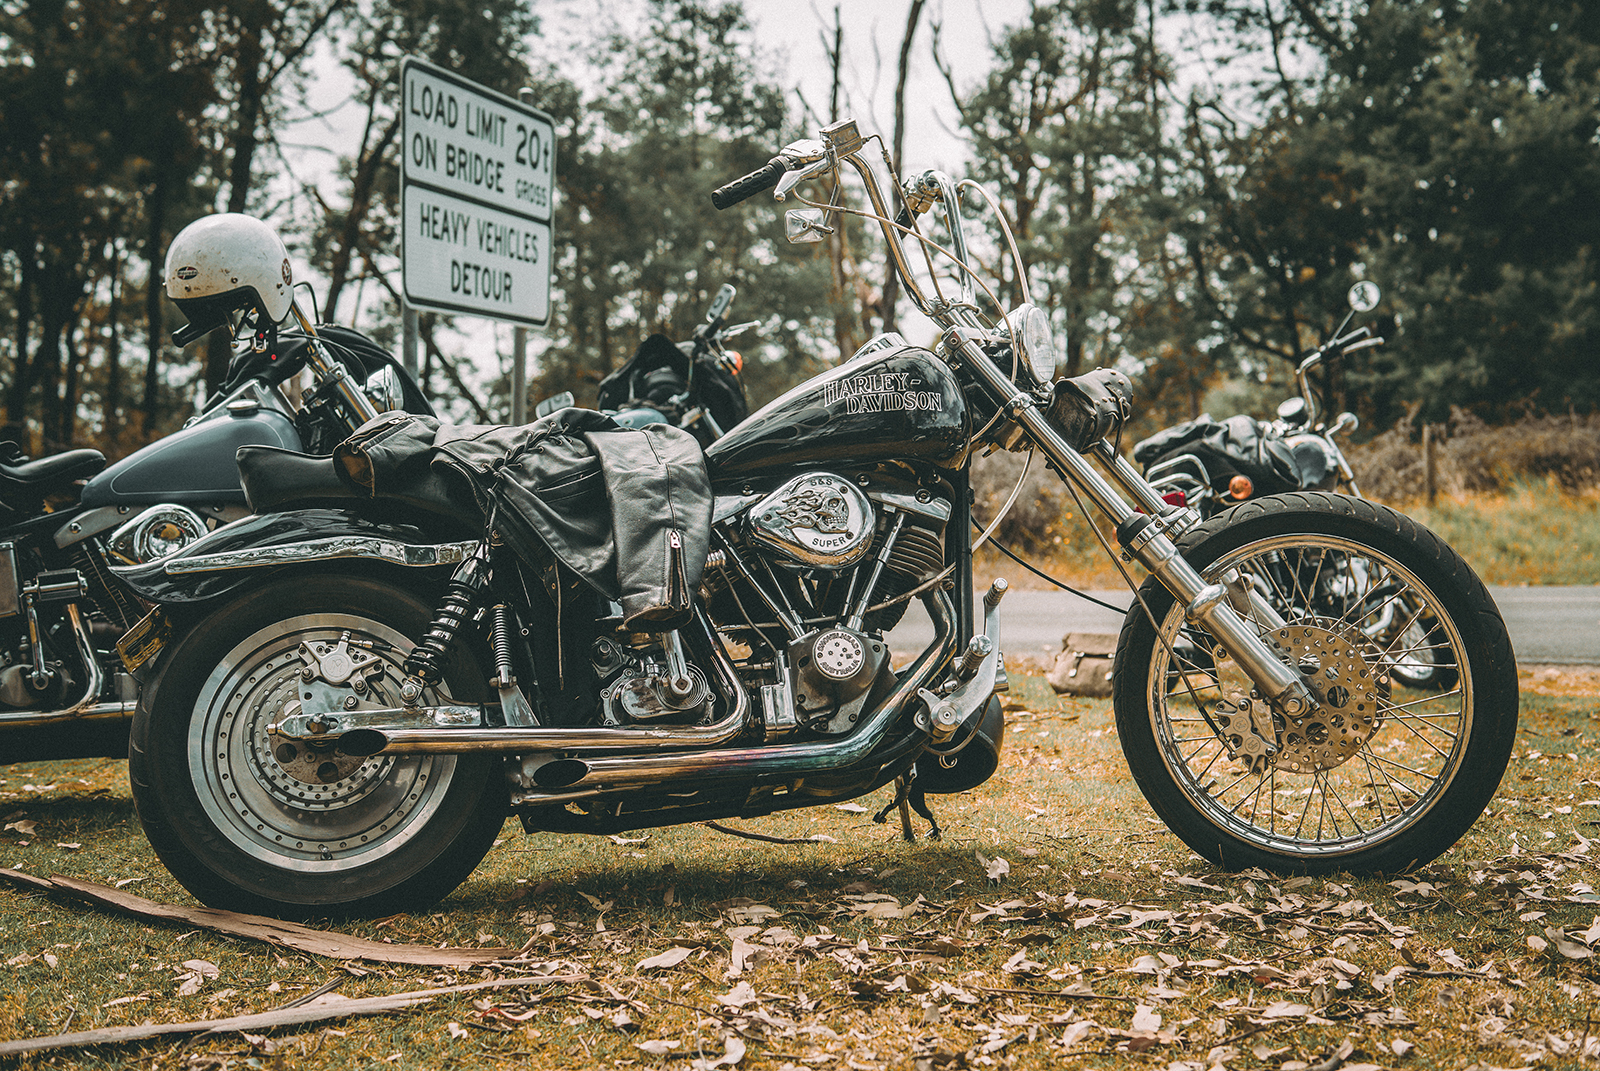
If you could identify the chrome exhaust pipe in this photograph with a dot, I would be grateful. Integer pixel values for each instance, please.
(573, 777)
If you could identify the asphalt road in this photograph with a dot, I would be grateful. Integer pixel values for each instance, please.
(1555, 625)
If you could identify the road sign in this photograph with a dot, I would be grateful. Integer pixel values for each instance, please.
(476, 177)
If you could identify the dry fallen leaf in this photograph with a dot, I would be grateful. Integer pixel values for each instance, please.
(457, 1030)
(997, 868)
(1146, 1020)
(738, 996)
(595, 902)
(670, 958)
(657, 1046)
(1565, 945)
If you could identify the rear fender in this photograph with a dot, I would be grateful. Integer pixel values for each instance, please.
(238, 554)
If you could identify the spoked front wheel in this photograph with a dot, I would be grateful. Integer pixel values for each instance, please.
(1393, 764)
(250, 820)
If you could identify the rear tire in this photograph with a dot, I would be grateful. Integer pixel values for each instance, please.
(250, 821)
(1390, 769)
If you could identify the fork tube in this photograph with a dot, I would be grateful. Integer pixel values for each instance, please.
(1129, 480)
(1204, 603)
(327, 370)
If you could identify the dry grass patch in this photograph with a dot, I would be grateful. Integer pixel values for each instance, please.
(1058, 924)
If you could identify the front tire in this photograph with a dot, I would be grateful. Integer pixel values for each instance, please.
(1393, 766)
(250, 821)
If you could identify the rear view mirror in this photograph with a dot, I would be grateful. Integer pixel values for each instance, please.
(1364, 296)
(804, 226)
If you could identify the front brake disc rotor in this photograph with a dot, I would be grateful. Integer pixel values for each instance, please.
(1349, 692)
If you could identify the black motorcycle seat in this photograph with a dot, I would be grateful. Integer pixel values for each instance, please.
(49, 474)
(275, 479)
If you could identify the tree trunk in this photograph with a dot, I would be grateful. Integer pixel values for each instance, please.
(73, 380)
(112, 401)
(17, 395)
(891, 281)
(154, 250)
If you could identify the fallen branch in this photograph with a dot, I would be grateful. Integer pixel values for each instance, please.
(326, 1007)
(259, 928)
(1068, 994)
(820, 838)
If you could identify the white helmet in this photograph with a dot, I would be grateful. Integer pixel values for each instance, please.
(226, 263)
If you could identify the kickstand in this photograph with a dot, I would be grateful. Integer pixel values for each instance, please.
(908, 798)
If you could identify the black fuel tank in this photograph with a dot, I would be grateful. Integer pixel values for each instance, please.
(193, 467)
(892, 402)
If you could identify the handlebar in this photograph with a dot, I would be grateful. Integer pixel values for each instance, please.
(747, 186)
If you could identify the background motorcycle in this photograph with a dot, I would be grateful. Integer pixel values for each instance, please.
(361, 682)
(1215, 465)
(67, 519)
(694, 385)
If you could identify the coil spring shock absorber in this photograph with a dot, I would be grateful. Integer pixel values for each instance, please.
(425, 664)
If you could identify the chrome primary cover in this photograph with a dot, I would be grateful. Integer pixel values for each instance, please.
(817, 519)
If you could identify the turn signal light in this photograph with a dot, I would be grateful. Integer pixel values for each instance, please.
(1241, 488)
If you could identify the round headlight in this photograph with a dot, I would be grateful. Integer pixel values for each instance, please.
(1031, 328)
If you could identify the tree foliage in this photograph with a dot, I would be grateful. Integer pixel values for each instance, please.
(677, 110)
(1448, 151)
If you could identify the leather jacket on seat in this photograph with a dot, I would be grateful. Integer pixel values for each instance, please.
(626, 509)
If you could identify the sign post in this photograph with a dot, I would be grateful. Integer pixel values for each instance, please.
(476, 183)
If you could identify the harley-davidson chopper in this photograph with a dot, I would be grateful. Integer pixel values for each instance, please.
(66, 519)
(349, 691)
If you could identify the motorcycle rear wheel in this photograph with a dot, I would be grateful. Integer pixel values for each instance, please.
(251, 821)
(1391, 768)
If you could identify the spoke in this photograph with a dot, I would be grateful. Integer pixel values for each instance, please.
(1300, 827)
(1375, 773)
(1316, 577)
(1200, 775)
(1403, 630)
(1423, 775)
(1345, 807)
(1396, 707)
(1251, 798)
(1369, 611)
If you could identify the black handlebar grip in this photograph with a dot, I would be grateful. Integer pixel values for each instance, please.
(750, 185)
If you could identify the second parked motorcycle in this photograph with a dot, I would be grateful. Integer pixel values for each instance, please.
(696, 385)
(1215, 465)
(68, 521)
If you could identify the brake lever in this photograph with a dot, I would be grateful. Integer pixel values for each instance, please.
(794, 176)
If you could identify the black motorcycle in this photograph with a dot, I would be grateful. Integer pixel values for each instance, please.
(1215, 465)
(696, 385)
(601, 629)
(69, 521)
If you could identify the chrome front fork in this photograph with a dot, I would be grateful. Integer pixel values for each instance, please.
(1144, 535)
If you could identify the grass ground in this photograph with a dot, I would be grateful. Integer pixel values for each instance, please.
(1057, 924)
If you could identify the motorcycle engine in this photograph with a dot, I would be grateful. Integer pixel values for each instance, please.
(817, 519)
(642, 688)
(834, 671)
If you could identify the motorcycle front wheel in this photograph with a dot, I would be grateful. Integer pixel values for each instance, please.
(251, 821)
(1392, 766)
